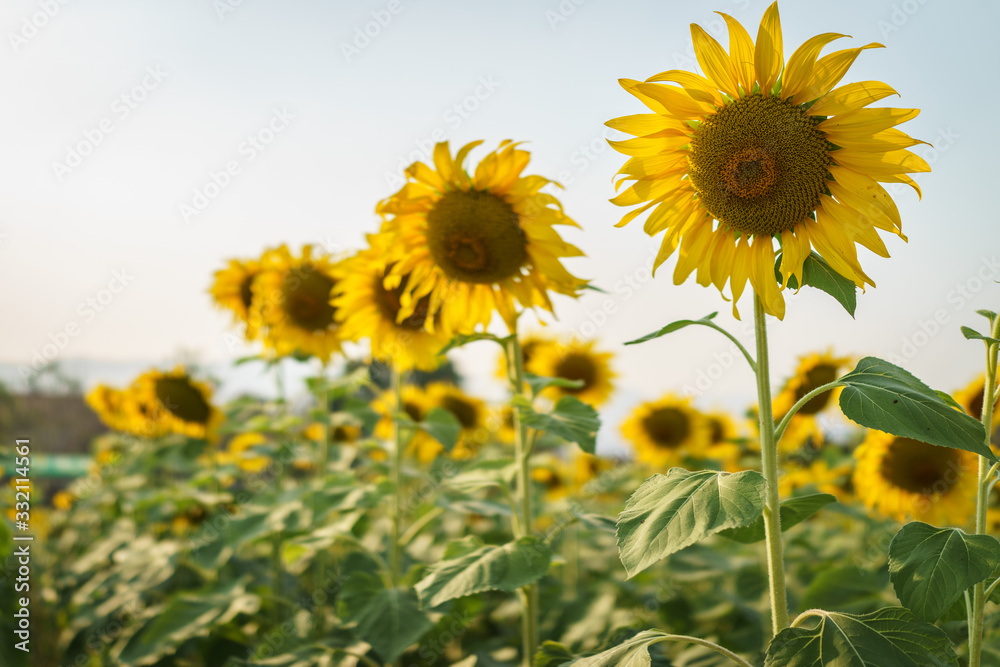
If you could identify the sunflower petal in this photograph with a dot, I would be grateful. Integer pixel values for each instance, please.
(799, 71)
(674, 99)
(740, 53)
(853, 188)
(639, 125)
(855, 225)
(714, 61)
(881, 142)
(851, 97)
(692, 250)
(768, 56)
(697, 86)
(741, 271)
(828, 72)
(889, 163)
(872, 120)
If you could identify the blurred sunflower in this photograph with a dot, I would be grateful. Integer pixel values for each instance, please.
(770, 151)
(291, 298)
(470, 412)
(110, 404)
(724, 444)
(666, 431)
(554, 476)
(817, 475)
(528, 346)
(341, 434)
(367, 309)
(233, 290)
(502, 424)
(475, 244)
(813, 371)
(241, 452)
(415, 404)
(907, 479)
(971, 399)
(172, 402)
(574, 360)
(63, 500)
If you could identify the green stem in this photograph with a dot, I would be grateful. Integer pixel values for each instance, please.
(783, 424)
(707, 644)
(522, 453)
(769, 465)
(982, 497)
(395, 553)
(319, 613)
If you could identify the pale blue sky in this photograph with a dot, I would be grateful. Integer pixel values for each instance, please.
(516, 71)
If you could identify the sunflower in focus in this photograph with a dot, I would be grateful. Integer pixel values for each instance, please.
(574, 360)
(667, 431)
(172, 402)
(908, 479)
(367, 309)
(233, 290)
(759, 150)
(813, 371)
(476, 243)
(470, 412)
(292, 300)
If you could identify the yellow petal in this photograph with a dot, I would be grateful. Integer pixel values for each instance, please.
(853, 188)
(740, 53)
(640, 125)
(632, 215)
(881, 142)
(442, 161)
(675, 100)
(836, 248)
(722, 257)
(714, 61)
(873, 120)
(741, 271)
(692, 251)
(798, 72)
(793, 255)
(424, 174)
(889, 163)
(829, 70)
(855, 225)
(697, 86)
(768, 56)
(851, 97)
(762, 276)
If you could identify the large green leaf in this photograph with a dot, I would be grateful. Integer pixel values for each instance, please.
(675, 326)
(389, 619)
(505, 568)
(931, 567)
(883, 396)
(552, 654)
(633, 652)
(571, 419)
(793, 511)
(817, 273)
(481, 474)
(891, 636)
(673, 511)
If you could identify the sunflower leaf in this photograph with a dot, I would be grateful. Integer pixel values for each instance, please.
(793, 511)
(633, 652)
(571, 419)
(389, 619)
(972, 334)
(672, 327)
(539, 383)
(441, 425)
(890, 636)
(931, 567)
(464, 339)
(817, 273)
(552, 654)
(988, 314)
(883, 396)
(673, 511)
(949, 399)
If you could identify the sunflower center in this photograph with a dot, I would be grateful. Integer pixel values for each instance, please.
(816, 377)
(577, 366)
(919, 467)
(667, 427)
(388, 302)
(474, 236)
(182, 400)
(246, 290)
(759, 164)
(464, 412)
(716, 430)
(306, 296)
(413, 410)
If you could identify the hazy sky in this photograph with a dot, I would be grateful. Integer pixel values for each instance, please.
(118, 113)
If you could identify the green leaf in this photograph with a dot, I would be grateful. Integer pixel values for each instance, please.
(633, 652)
(539, 383)
(792, 511)
(673, 511)
(672, 327)
(441, 425)
(488, 568)
(552, 654)
(817, 273)
(972, 334)
(949, 399)
(847, 588)
(571, 419)
(481, 474)
(883, 396)
(890, 636)
(931, 567)
(988, 314)
(389, 619)
(464, 339)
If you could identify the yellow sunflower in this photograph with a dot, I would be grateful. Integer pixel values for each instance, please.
(367, 309)
(172, 402)
(813, 371)
(766, 150)
(724, 441)
(291, 299)
(241, 452)
(341, 434)
(528, 346)
(971, 399)
(817, 475)
(574, 360)
(63, 500)
(907, 479)
(415, 404)
(110, 405)
(554, 476)
(502, 424)
(475, 244)
(233, 290)
(666, 431)
(470, 412)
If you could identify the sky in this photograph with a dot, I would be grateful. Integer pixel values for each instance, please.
(144, 144)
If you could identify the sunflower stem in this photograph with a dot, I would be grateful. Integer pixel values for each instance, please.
(982, 497)
(522, 527)
(395, 552)
(783, 424)
(319, 613)
(769, 464)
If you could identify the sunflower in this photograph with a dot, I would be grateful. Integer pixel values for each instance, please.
(666, 431)
(63, 500)
(529, 344)
(415, 404)
(813, 371)
(291, 298)
(574, 360)
(554, 476)
(242, 454)
(768, 151)
(971, 399)
(367, 309)
(341, 434)
(110, 405)
(470, 412)
(817, 475)
(233, 290)
(172, 402)
(724, 441)
(908, 479)
(475, 244)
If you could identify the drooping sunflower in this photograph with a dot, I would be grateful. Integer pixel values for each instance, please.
(476, 243)
(367, 309)
(574, 360)
(292, 301)
(971, 399)
(758, 150)
(667, 431)
(906, 479)
(813, 371)
(233, 290)
(470, 412)
(172, 402)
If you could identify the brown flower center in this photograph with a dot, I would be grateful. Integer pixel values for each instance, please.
(921, 468)
(667, 427)
(306, 296)
(577, 366)
(182, 399)
(816, 377)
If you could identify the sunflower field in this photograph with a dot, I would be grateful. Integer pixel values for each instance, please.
(380, 513)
